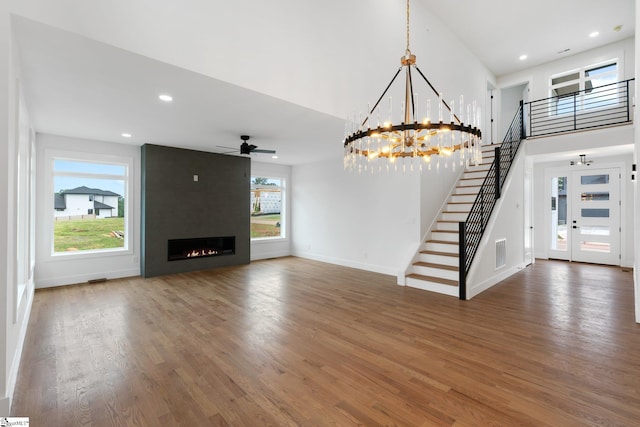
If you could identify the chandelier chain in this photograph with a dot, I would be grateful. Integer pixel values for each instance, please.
(408, 51)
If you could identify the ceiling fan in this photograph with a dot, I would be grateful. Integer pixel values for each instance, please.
(246, 148)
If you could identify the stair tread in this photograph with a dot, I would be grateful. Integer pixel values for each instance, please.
(446, 231)
(434, 279)
(428, 252)
(434, 265)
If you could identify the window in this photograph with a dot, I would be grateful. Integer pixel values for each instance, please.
(593, 80)
(89, 206)
(267, 207)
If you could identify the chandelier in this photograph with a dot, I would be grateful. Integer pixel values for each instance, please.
(379, 138)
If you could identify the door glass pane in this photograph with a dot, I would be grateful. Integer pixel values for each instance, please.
(594, 196)
(594, 179)
(594, 213)
(559, 213)
(595, 246)
(594, 230)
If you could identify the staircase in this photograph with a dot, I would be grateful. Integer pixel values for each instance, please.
(436, 266)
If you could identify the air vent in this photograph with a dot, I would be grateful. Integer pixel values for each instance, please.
(501, 253)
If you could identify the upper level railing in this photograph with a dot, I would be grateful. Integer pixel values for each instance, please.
(590, 108)
(471, 230)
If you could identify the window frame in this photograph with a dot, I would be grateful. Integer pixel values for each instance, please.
(51, 155)
(581, 80)
(283, 207)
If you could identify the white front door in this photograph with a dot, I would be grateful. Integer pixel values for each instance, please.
(595, 218)
(585, 216)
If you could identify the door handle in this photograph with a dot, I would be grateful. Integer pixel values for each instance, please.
(575, 226)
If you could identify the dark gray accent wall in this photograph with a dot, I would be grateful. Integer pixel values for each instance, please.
(174, 206)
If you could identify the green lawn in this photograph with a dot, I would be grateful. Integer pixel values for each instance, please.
(265, 226)
(87, 234)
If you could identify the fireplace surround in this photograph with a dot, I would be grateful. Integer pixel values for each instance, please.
(193, 194)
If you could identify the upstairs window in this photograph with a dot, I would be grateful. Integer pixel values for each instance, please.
(593, 80)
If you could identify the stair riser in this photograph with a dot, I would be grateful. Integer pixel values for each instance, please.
(463, 198)
(464, 207)
(439, 259)
(436, 272)
(447, 237)
(484, 165)
(447, 226)
(448, 216)
(471, 182)
(466, 190)
(478, 174)
(433, 287)
(442, 247)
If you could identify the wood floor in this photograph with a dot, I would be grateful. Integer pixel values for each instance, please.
(291, 342)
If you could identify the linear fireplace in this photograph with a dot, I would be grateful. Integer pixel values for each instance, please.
(179, 249)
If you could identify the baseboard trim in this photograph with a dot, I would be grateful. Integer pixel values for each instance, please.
(83, 278)
(15, 366)
(270, 254)
(478, 288)
(5, 406)
(348, 263)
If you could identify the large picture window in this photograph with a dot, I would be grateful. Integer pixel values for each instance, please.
(89, 209)
(267, 207)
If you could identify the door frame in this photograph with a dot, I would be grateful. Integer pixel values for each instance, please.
(567, 170)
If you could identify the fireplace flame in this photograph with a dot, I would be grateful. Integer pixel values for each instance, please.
(201, 252)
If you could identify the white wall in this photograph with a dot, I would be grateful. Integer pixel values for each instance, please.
(367, 221)
(509, 104)
(15, 297)
(76, 268)
(636, 157)
(435, 187)
(271, 248)
(507, 222)
(539, 76)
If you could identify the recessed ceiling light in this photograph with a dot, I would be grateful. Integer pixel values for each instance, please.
(126, 135)
(274, 157)
(166, 98)
(594, 34)
(523, 57)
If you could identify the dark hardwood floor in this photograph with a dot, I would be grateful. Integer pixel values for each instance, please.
(298, 342)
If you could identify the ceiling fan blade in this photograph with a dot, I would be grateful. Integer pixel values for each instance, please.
(228, 148)
(263, 151)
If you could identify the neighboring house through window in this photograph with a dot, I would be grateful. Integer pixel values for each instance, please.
(267, 207)
(89, 201)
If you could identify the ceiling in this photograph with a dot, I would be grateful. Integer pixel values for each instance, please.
(498, 32)
(78, 87)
